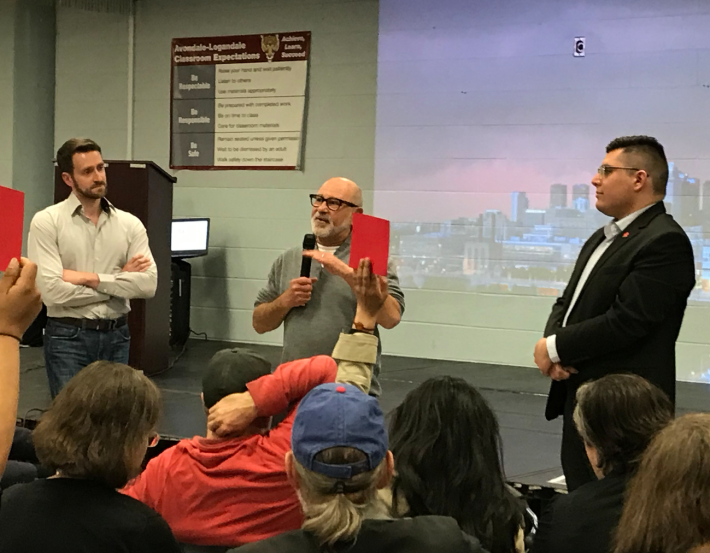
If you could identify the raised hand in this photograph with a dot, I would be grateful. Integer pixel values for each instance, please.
(20, 300)
(370, 289)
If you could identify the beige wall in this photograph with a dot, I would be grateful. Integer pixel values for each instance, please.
(255, 214)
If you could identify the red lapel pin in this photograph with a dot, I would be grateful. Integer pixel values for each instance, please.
(625, 234)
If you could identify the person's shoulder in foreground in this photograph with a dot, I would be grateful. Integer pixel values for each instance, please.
(425, 533)
(583, 520)
(93, 516)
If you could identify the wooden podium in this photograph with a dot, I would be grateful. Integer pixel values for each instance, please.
(145, 190)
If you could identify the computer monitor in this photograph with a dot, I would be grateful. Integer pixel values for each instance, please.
(190, 237)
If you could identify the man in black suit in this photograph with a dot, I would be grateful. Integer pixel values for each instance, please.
(623, 306)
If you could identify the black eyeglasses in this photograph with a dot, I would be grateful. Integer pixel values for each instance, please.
(606, 170)
(334, 204)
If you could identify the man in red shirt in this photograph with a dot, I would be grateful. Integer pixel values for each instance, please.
(234, 490)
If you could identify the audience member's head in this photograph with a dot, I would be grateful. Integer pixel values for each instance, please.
(447, 446)
(339, 460)
(667, 506)
(617, 416)
(229, 371)
(100, 425)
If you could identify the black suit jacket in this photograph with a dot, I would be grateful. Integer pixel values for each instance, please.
(628, 316)
(584, 520)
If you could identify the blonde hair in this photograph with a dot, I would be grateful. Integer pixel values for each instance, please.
(334, 509)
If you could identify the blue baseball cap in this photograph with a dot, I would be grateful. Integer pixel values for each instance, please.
(339, 415)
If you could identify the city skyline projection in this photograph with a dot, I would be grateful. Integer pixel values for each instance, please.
(531, 250)
(488, 131)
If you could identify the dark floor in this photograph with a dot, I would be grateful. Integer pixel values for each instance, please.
(517, 394)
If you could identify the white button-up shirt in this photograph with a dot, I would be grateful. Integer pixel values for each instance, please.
(611, 231)
(63, 237)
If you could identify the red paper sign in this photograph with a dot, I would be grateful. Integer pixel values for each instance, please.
(12, 209)
(370, 238)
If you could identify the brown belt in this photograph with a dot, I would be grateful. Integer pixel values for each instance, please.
(102, 325)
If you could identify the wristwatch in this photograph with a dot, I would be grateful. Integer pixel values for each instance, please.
(359, 327)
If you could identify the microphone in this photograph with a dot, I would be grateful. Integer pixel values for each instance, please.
(309, 243)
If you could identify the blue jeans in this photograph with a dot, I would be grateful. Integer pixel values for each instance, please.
(68, 349)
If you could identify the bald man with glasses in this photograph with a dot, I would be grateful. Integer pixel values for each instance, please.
(315, 309)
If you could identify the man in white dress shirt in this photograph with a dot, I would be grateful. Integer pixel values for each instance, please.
(623, 306)
(92, 259)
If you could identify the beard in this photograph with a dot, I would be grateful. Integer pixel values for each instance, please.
(95, 192)
(323, 227)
